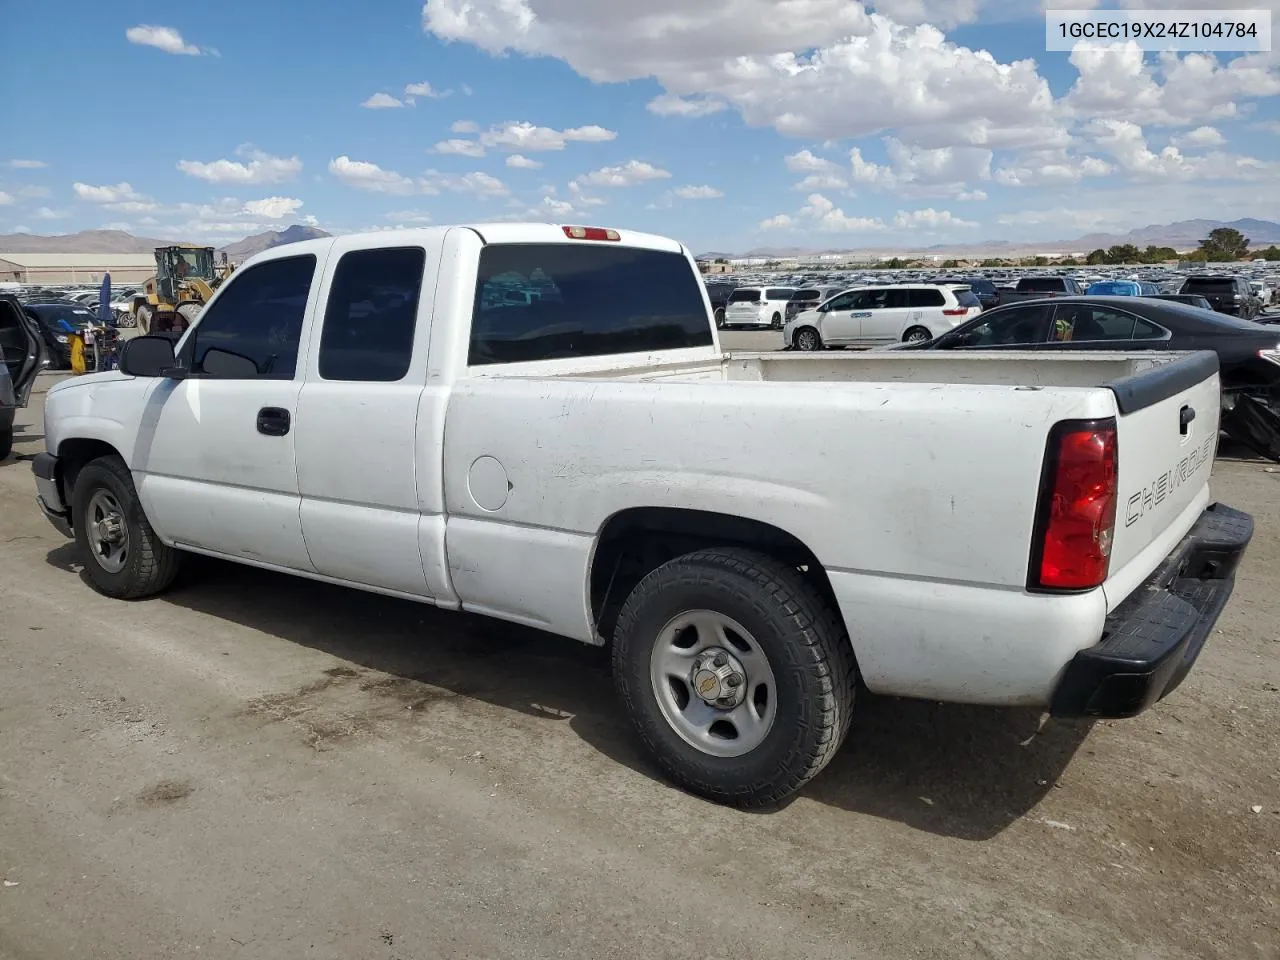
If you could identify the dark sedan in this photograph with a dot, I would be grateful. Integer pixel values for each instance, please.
(1248, 353)
(54, 318)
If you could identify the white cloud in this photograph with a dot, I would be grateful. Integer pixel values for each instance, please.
(362, 175)
(554, 207)
(261, 168)
(969, 195)
(1267, 126)
(929, 219)
(134, 206)
(114, 193)
(821, 181)
(162, 38)
(382, 101)
(698, 193)
(864, 171)
(826, 216)
(5, 199)
(47, 213)
(461, 148)
(525, 136)
(856, 74)
(31, 191)
(781, 222)
(273, 208)
(465, 126)
(941, 13)
(418, 217)
(1200, 137)
(424, 89)
(806, 162)
(478, 184)
(27, 164)
(923, 171)
(520, 162)
(580, 199)
(1050, 168)
(627, 174)
(669, 105)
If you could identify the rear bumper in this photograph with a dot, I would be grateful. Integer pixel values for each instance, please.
(1153, 638)
(45, 468)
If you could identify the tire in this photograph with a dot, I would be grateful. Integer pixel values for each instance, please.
(776, 322)
(917, 335)
(807, 338)
(720, 318)
(6, 442)
(187, 314)
(144, 315)
(771, 614)
(146, 566)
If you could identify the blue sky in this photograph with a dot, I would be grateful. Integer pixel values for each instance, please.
(729, 124)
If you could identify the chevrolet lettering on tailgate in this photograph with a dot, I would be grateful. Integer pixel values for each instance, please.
(1155, 493)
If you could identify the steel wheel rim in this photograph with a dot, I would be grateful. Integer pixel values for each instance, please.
(807, 340)
(700, 637)
(107, 531)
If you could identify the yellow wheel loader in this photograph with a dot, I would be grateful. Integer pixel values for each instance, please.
(185, 279)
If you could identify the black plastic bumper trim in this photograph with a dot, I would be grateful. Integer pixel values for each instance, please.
(1151, 641)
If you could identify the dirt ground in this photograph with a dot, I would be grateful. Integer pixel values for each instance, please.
(255, 766)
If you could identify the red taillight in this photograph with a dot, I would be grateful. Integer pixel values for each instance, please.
(590, 233)
(955, 313)
(1077, 513)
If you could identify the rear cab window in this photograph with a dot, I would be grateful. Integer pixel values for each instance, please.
(745, 295)
(584, 300)
(779, 293)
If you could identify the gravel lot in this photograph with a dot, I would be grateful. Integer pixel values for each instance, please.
(255, 766)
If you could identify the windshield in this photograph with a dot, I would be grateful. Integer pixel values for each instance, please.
(51, 313)
(1113, 288)
(190, 262)
(540, 301)
(1209, 285)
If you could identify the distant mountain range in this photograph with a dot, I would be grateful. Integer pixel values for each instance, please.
(117, 241)
(1185, 235)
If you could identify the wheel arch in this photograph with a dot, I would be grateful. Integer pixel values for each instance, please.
(73, 454)
(635, 541)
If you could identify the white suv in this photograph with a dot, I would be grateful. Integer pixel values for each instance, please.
(872, 316)
(757, 307)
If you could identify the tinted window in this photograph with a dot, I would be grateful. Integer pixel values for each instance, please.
(967, 298)
(981, 286)
(1209, 286)
(1113, 288)
(1145, 330)
(844, 301)
(876, 299)
(897, 298)
(1081, 323)
(372, 312)
(778, 293)
(256, 318)
(1041, 285)
(925, 298)
(1029, 325)
(806, 296)
(51, 313)
(745, 295)
(592, 299)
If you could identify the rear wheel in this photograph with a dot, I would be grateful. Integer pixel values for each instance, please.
(720, 317)
(123, 557)
(144, 315)
(807, 338)
(917, 335)
(776, 322)
(736, 673)
(187, 313)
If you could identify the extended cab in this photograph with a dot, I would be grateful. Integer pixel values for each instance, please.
(537, 423)
(1037, 288)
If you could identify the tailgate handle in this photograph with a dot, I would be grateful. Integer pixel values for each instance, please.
(1185, 416)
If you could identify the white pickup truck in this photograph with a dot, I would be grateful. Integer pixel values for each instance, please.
(537, 423)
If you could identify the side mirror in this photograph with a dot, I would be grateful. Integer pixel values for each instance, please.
(146, 357)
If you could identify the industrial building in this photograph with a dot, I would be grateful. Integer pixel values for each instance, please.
(87, 268)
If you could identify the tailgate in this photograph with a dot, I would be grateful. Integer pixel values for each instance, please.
(1167, 437)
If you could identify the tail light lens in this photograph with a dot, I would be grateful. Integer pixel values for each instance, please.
(959, 312)
(1076, 517)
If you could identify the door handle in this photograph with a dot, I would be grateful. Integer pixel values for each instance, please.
(273, 421)
(1185, 416)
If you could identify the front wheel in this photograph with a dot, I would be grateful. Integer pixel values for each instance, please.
(917, 335)
(807, 338)
(736, 673)
(122, 554)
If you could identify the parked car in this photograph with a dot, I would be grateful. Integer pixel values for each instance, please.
(870, 316)
(1248, 353)
(57, 321)
(1037, 288)
(757, 307)
(1263, 291)
(807, 298)
(1122, 288)
(1190, 299)
(22, 357)
(718, 292)
(987, 293)
(551, 462)
(1226, 293)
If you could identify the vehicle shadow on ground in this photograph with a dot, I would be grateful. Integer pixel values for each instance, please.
(957, 771)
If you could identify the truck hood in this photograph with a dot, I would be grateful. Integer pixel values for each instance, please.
(87, 380)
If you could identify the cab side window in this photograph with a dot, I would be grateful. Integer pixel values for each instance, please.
(251, 331)
(372, 314)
